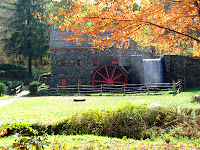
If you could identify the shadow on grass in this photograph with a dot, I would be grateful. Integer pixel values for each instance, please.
(196, 89)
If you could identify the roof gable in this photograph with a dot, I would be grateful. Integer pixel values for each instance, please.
(56, 41)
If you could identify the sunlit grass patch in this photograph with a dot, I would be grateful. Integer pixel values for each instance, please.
(5, 97)
(48, 109)
(99, 143)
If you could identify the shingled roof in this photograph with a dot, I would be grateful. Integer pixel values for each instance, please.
(57, 43)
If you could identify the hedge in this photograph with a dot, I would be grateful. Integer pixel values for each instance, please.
(3, 88)
(13, 71)
(130, 121)
(33, 87)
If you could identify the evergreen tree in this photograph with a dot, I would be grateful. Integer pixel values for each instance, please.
(29, 37)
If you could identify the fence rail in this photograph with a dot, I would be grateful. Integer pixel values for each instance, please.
(18, 89)
(120, 89)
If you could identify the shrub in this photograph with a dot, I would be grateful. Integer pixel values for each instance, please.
(13, 71)
(6, 82)
(12, 86)
(130, 121)
(17, 129)
(31, 143)
(139, 122)
(189, 129)
(16, 84)
(33, 87)
(3, 88)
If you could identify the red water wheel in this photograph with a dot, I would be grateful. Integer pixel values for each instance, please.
(108, 74)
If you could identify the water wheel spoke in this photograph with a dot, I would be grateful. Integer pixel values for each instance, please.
(108, 74)
(118, 82)
(100, 81)
(107, 71)
(101, 75)
(119, 75)
(113, 72)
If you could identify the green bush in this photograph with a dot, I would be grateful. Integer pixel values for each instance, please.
(16, 84)
(6, 82)
(13, 71)
(139, 122)
(33, 87)
(3, 88)
(12, 86)
(17, 129)
(130, 121)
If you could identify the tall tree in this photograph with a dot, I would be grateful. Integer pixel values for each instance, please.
(7, 11)
(29, 37)
(169, 25)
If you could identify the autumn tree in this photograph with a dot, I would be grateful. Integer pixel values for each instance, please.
(29, 37)
(169, 25)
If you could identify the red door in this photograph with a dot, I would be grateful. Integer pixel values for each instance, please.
(63, 83)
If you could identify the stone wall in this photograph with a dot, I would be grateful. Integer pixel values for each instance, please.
(181, 67)
(130, 60)
(131, 64)
(71, 71)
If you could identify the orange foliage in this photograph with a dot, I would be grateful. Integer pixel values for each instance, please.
(169, 25)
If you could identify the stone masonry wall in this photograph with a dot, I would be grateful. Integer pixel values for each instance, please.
(71, 71)
(182, 67)
(132, 64)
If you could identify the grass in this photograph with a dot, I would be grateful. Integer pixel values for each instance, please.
(48, 109)
(5, 97)
(97, 142)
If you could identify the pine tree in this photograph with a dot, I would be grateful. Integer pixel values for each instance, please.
(29, 37)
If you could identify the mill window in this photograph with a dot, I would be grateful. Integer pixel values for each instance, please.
(79, 62)
(62, 63)
(95, 62)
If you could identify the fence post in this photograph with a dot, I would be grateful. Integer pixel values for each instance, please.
(57, 89)
(184, 83)
(78, 89)
(148, 88)
(174, 86)
(101, 89)
(179, 85)
(124, 89)
(37, 89)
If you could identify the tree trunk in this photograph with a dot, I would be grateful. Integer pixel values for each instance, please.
(30, 65)
(29, 43)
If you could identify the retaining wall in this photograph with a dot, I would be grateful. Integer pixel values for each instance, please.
(182, 67)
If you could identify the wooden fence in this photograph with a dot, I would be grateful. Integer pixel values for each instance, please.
(16, 90)
(119, 89)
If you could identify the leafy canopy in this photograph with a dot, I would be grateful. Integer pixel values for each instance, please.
(29, 37)
(169, 25)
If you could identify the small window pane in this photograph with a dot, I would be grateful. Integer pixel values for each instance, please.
(62, 63)
(79, 62)
(95, 62)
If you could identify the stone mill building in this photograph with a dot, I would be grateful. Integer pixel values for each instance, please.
(72, 63)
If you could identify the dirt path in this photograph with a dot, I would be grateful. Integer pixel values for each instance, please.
(20, 95)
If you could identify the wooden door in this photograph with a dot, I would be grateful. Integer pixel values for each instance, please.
(63, 83)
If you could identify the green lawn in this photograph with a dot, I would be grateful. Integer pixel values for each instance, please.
(86, 142)
(47, 109)
(5, 97)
